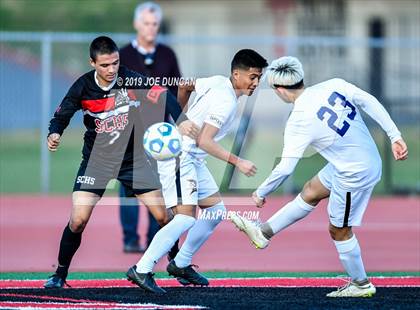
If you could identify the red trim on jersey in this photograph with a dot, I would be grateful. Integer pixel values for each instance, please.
(131, 94)
(154, 93)
(99, 105)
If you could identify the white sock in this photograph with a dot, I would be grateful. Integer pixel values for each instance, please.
(294, 211)
(351, 258)
(199, 233)
(163, 241)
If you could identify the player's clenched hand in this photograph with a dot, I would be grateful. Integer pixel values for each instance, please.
(258, 201)
(400, 150)
(53, 141)
(246, 167)
(189, 128)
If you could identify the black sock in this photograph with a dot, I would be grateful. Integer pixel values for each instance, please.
(174, 250)
(267, 231)
(62, 271)
(69, 244)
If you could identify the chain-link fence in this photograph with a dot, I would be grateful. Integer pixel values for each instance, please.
(36, 70)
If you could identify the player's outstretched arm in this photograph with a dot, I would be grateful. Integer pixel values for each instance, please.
(206, 142)
(53, 141)
(400, 150)
(377, 112)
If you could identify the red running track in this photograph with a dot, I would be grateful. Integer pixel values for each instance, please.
(222, 282)
(31, 227)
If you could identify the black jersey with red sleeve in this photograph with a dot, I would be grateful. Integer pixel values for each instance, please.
(115, 118)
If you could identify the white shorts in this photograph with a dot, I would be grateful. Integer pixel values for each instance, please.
(345, 207)
(188, 184)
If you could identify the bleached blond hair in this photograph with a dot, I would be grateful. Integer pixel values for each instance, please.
(285, 71)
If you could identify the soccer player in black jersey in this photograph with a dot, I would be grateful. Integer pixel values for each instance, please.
(117, 108)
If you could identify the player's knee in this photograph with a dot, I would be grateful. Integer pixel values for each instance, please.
(188, 210)
(77, 225)
(340, 233)
(309, 194)
(162, 219)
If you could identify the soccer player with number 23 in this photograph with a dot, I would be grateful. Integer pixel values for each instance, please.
(326, 117)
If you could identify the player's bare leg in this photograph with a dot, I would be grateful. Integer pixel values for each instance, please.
(350, 256)
(83, 204)
(314, 191)
(153, 200)
(347, 247)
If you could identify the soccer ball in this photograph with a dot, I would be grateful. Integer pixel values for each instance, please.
(162, 141)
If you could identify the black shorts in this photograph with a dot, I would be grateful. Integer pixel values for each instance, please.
(139, 176)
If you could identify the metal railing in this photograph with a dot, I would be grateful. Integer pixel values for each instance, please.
(58, 58)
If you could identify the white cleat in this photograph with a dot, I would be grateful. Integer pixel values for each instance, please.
(251, 229)
(352, 289)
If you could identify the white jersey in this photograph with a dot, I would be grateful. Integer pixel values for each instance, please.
(216, 104)
(326, 116)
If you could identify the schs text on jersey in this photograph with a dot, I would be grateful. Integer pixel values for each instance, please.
(114, 122)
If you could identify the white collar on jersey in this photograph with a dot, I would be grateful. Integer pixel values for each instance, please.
(141, 49)
(105, 88)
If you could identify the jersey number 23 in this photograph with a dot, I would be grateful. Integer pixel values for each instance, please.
(332, 115)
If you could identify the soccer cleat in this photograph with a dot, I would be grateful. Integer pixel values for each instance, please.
(251, 229)
(183, 282)
(144, 280)
(171, 255)
(55, 281)
(353, 289)
(186, 273)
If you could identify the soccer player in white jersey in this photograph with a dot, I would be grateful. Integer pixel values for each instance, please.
(187, 182)
(326, 116)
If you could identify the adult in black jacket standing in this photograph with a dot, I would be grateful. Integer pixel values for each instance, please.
(153, 59)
